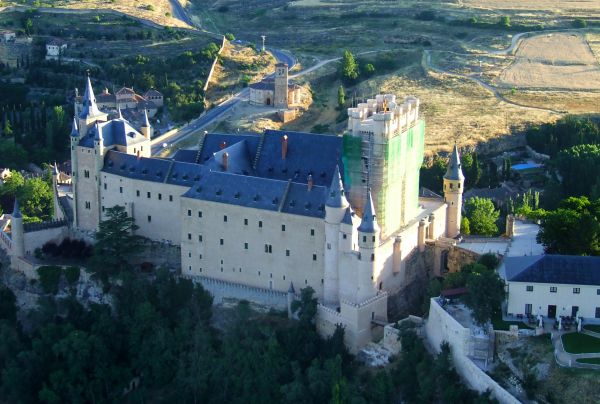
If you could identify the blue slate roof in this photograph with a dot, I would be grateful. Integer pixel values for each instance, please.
(128, 165)
(275, 183)
(554, 269)
(307, 154)
(114, 132)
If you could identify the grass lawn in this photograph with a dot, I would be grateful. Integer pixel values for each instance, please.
(593, 361)
(592, 327)
(500, 324)
(580, 343)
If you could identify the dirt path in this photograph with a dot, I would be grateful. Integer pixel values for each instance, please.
(427, 65)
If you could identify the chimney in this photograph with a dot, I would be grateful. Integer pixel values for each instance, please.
(138, 155)
(310, 182)
(225, 161)
(284, 146)
(222, 145)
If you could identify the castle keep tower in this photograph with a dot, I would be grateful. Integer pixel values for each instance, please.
(368, 243)
(281, 86)
(382, 150)
(454, 182)
(17, 233)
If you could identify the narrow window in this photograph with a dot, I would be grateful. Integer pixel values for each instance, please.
(189, 236)
(245, 222)
(287, 253)
(344, 236)
(189, 212)
(149, 218)
(312, 232)
(225, 218)
(105, 185)
(120, 190)
(529, 288)
(221, 241)
(171, 200)
(314, 257)
(283, 227)
(364, 239)
(200, 238)
(137, 192)
(199, 213)
(260, 223)
(245, 246)
(148, 194)
(576, 290)
(552, 289)
(160, 197)
(372, 257)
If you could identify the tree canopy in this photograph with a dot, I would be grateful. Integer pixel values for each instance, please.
(115, 244)
(349, 67)
(573, 228)
(482, 216)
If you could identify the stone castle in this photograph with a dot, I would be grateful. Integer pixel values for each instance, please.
(277, 211)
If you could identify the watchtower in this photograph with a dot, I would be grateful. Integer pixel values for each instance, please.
(280, 96)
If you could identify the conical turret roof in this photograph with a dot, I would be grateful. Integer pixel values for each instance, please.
(337, 198)
(90, 109)
(454, 171)
(146, 120)
(369, 219)
(74, 129)
(16, 210)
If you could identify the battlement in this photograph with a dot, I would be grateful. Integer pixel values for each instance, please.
(30, 227)
(383, 116)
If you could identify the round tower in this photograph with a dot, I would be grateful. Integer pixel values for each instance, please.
(335, 209)
(454, 182)
(17, 233)
(74, 167)
(146, 129)
(368, 244)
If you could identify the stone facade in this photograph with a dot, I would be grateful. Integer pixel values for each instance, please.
(270, 211)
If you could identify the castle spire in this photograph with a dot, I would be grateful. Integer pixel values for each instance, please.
(89, 109)
(454, 171)
(74, 129)
(55, 171)
(146, 120)
(16, 210)
(337, 198)
(369, 219)
(119, 111)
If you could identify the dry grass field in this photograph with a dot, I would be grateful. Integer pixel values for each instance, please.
(158, 11)
(553, 61)
(555, 6)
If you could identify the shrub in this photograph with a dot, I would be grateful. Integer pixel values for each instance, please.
(72, 274)
(229, 36)
(579, 23)
(49, 278)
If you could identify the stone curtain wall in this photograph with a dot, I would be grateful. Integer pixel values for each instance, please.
(221, 291)
(214, 64)
(440, 327)
(457, 257)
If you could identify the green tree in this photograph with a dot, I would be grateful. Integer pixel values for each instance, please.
(349, 67)
(486, 294)
(229, 36)
(504, 21)
(482, 216)
(115, 244)
(36, 200)
(369, 70)
(579, 167)
(341, 97)
(7, 130)
(572, 229)
(465, 226)
(306, 307)
(8, 307)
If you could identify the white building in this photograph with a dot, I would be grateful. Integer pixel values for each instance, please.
(55, 48)
(7, 35)
(553, 285)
